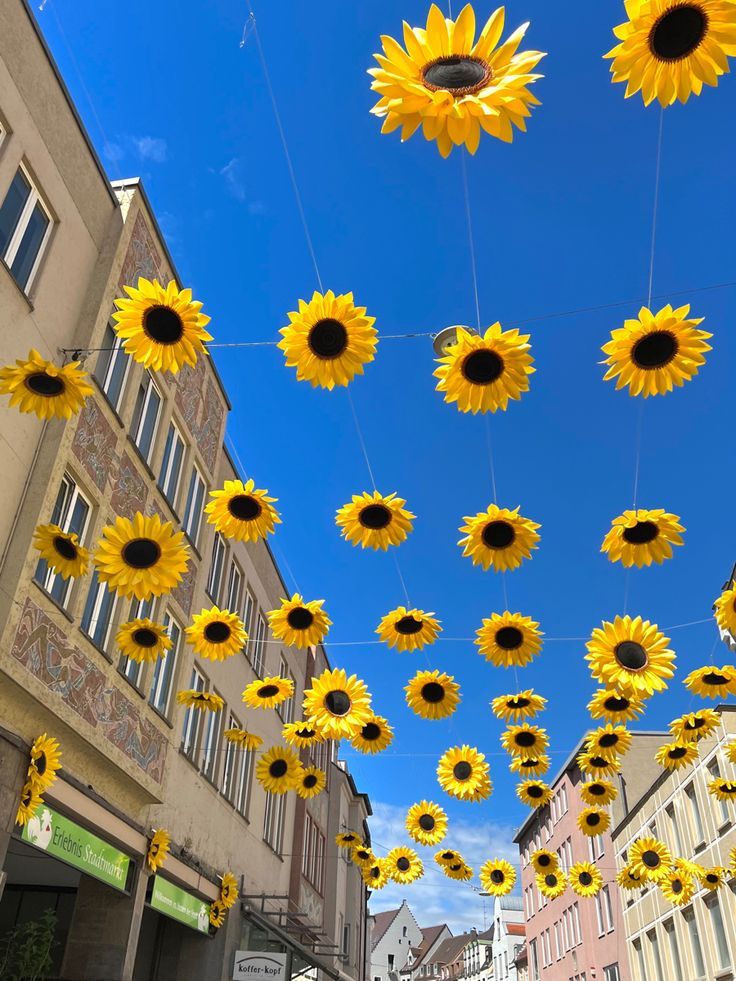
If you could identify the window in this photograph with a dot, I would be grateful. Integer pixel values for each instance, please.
(716, 921)
(171, 464)
(640, 960)
(258, 651)
(676, 836)
(163, 671)
(654, 948)
(145, 417)
(192, 716)
(71, 513)
(346, 941)
(230, 764)
(287, 708)
(669, 929)
(234, 589)
(692, 796)
(692, 929)
(211, 744)
(244, 779)
(273, 823)
(607, 908)
(313, 858)
(214, 580)
(576, 919)
(611, 973)
(563, 798)
(98, 613)
(112, 367)
(390, 962)
(715, 772)
(133, 670)
(25, 227)
(599, 913)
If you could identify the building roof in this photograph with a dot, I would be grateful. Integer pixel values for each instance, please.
(451, 948)
(516, 929)
(515, 903)
(381, 923)
(429, 937)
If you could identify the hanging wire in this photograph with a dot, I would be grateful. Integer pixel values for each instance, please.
(489, 444)
(359, 431)
(471, 241)
(656, 206)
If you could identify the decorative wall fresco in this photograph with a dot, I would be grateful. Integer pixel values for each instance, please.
(200, 403)
(142, 257)
(94, 444)
(129, 491)
(184, 592)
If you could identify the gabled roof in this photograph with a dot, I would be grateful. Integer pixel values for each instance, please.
(381, 923)
(429, 937)
(449, 950)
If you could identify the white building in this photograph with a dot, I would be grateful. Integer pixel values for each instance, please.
(509, 933)
(478, 956)
(393, 933)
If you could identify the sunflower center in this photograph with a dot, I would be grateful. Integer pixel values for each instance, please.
(462, 770)
(447, 856)
(278, 768)
(433, 692)
(328, 339)
(41, 764)
(498, 534)
(599, 761)
(309, 781)
(371, 731)
(217, 632)
(459, 74)
(375, 872)
(650, 859)
(244, 507)
(338, 702)
(408, 625)
(642, 533)
(607, 740)
(47, 386)
(145, 637)
(550, 880)
(631, 655)
(696, 723)
(375, 517)
(66, 548)
(678, 33)
(163, 325)
(592, 820)
(141, 553)
(497, 877)
(712, 878)
(27, 797)
(306, 733)
(300, 618)
(677, 886)
(403, 864)
(655, 350)
(728, 788)
(509, 638)
(525, 739)
(596, 789)
(530, 763)
(482, 367)
(534, 791)
(677, 753)
(267, 691)
(713, 678)
(585, 878)
(615, 704)
(426, 822)
(518, 703)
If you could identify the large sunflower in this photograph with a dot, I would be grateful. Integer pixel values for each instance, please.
(534, 793)
(432, 694)
(725, 610)
(228, 890)
(712, 682)
(310, 782)
(713, 878)
(721, 789)
(426, 823)
(29, 802)
(509, 639)
(408, 630)
(669, 48)
(143, 640)
(695, 725)
(328, 340)
(374, 520)
(204, 701)
(597, 766)
(404, 865)
(248, 741)
(497, 877)
(459, 871)
(462, 772)
(499, 538)
(348, 839)
(242, 511)
(642, 537)
(514, 708)
(362, 855)
(677, 887)
(598, 793)
(447, 856)
(338, 705)
(609, 741)
(162, 329)
(278, 770)
(593, 821)
(376, 875)
(217, 915)
(650, 859)
(298, 623)
(656, 352)
(481, 374)
(158, 849)
(628, 878)
(544, 861)
(614, 706)
(144, 557)
(44, 764)
(61, 551)
(301, 734)
(216, 634)
(38, 386)
(269, 692)
(524, 740)
(585, 879)
(452, 87)
(373, 736)
(530, 766)
(731, 752)
(552, 884)
(631, 655)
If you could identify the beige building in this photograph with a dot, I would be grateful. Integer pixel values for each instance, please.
(697, 941)
(133, 759)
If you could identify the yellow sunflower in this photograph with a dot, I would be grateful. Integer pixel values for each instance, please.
(552, 884)
(376, 875)
(44, 764)
(669, 48)
(712, 682)
(593, 821)
(374, 736)
(144, 557)
(374, 520)
(248, 741)
(585, 879)
(609, 741)
(426, 823)
(713, 878)
(642, 537)
(447, 857)
(243, 512)
(544, 861)
(656, 352)
(143, 640)
(158, 849)
(497, 877)
(278, 770)
(216, 634)
(408, 630)
(695, 725)
(404, 865)
(525, 740)
(339, 706)
(509, 639)
(217, 915)
(298, 623)
(499, 538)
(598, 793)
(462, 772)
(615, 706)
(453, 86)
(362, 855)
(731, 751)
(269, 692)
(530, 766)
(722, 789)
(38, 386)
(228, 890)
(459, 871)
(29, 803)
(514, 708)
(631, 655)
(597, 766)
(725, 610)
(534, 793)
(650, 859)
(205, 701)
(61, 551)
(481, 374)
(677, 887)
(432, 694)
(328, 340)
(310, 782)
(162, 328)
(628, 878)
(348, 839)
(301, 734)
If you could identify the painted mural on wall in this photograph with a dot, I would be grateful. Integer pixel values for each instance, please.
(200, 404)
(94, 443)
(142, 257)
(128, 488)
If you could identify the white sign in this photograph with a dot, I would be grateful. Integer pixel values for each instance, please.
(259, 965)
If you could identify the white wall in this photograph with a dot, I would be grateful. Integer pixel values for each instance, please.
(403, 933)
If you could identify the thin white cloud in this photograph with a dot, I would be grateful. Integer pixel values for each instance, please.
(232, 172)
(151, 148)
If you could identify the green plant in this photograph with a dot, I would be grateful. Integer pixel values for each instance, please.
(25, 951)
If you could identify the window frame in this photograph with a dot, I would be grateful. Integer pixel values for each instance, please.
(219, 551)
(167, 463)
(101, 593)
(211, 735)
(147, 385)
(192, 512)
(139, 609)
(163, 676)
(113, 357)
(73, 494)
(14, 242)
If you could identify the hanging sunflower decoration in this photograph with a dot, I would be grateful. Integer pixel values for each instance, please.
(310, 782)
(143, 640)
(216, 634)
(301, 734)
(593, 821)
(656, 352)
(597, 766)
(447, 857)
(711, 682)
(426, 823)
(509, 639)
(162, 329)
(29, 803)
(373, 736)
(481, 374)
(298, 623)
(677, 887)
(404, 865)
(462, 772)
(374, 520)
(650, 859)
(228, 890)
(725, 610)
(329, 340)
(731, 752)
(642, 537)
(668, 49)
(61, 551)
(609, 741)
(278, 769)
(217, 915)
(339, 706)
(497, 877)
(524, 740)
(499, 538)
(613, 706)
(459, 871)
(158, 849)
(530, 766)
(585, 879)
(376, 875)
(361, 855)
(628, 878)
(247, 741)
(243, 512)
(631, 655)
(38, 386)
(722, 789)
(205, 701)
(534, 793)
(453, 86)
(713, 878)
(348, 839)
(144, 557)
(432, 694)
(269, 692)
(598, 793)
(552, 884)
(408, 630)
(544, 861)
(695, 725)
(515, 708)
(45, 762)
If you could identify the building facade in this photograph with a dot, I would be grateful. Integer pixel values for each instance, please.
(478, 956)
(421, 961)
(509, 932)
(393, 934)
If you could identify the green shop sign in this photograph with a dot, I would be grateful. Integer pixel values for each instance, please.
(63, 839)
(180, 905)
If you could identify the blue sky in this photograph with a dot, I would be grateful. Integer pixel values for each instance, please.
(562, 221)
